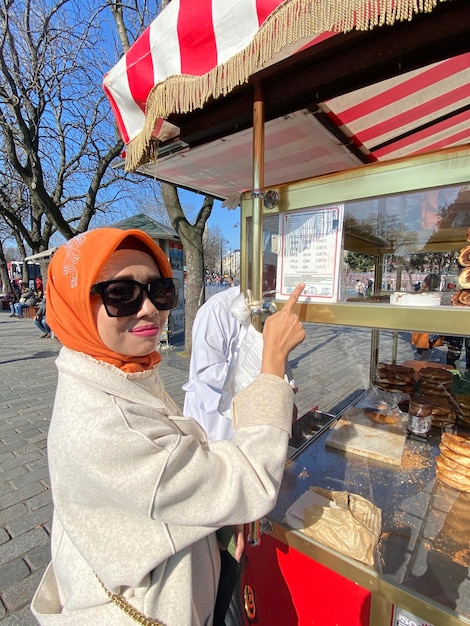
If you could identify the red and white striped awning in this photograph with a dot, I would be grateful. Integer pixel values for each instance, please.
(421, 111)
(195, 51)
(187, 41)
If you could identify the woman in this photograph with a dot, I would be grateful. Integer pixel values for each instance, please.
(138, 491)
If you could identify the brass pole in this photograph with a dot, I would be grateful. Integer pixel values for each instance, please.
(257, 196)
(256, 273)
(375, 340)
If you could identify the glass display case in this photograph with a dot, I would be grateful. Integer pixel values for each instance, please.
(391, 213)
(415, 207)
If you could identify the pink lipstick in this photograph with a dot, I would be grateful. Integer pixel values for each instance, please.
(149, 330)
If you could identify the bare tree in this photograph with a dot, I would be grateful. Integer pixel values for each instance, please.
(4, 278)
(214, 249)
(58, 140)
(20, 221)
(58, 134)
(191, 235)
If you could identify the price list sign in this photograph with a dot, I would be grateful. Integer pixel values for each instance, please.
(310, 253)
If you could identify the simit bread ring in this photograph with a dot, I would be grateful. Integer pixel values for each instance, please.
(452, 483)
(455, 300)
(395, 368)
(463, 401)
(464, 297)
(452, 465)
(464, 278)
(464, 257)
(435, 374)
(451, 477)
(457, 443)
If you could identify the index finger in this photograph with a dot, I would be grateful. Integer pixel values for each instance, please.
(294, 296)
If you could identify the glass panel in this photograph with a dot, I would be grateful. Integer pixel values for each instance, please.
(332, 367)
(391, 243)
(409, 223)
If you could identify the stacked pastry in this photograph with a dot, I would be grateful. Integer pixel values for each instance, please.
(463, 415)
(462, 296)
(453, 463)
(395, 378)
(442, 412)
(435, 382)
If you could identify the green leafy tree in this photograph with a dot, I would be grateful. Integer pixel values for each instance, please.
(357, 262)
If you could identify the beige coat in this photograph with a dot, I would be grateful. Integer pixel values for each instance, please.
(138, 493)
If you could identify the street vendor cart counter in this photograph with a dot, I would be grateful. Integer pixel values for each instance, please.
(421, 571)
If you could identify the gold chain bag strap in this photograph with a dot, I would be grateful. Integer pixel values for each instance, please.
(128, 609)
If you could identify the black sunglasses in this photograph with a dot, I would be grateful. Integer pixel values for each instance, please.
(124, 297)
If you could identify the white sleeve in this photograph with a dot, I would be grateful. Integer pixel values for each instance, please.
(214, 331)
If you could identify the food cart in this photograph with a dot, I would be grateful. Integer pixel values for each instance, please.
(358, 141)
(424, 563)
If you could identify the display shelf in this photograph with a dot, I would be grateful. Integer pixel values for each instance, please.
(446, 320)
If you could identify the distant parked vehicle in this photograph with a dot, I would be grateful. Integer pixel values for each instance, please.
(15, 271)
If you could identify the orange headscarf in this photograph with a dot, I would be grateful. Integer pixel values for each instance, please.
(73, 270)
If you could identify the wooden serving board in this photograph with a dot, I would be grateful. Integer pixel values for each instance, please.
(356, 433)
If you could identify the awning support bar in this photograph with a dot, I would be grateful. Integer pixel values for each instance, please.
(256, 270)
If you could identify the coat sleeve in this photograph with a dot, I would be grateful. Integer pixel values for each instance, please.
(232, 482)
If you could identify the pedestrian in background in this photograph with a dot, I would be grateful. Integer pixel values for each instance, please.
(27, 299)
(15, 296)
(359, 288)
(40, 320)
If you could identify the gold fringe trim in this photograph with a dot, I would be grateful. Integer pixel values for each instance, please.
(291, 21)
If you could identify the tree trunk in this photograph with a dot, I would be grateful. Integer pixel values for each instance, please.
(44, 265)
(193, 287)
(191, 238)
(4, 271)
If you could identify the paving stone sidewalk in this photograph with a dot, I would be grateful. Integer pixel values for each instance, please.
(331, 364)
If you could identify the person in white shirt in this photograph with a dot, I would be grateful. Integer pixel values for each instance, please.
(217, 334)
(215, 331)
(216, 338)
(359, 288)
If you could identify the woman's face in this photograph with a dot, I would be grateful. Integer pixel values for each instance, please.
(133, 335)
